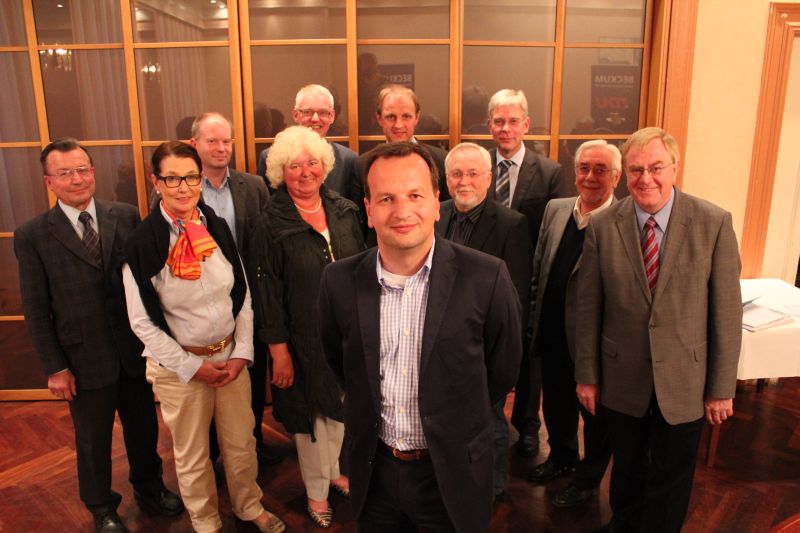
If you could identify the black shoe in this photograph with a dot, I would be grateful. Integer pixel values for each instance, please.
(109, 523)
(163, 502)
(571, 496)
(548, 471)
(267, 456)
(528, 446)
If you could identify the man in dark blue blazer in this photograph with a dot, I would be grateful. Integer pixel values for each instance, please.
(73, 301)
(425, 337)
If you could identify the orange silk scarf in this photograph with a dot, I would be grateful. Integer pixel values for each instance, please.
(194, 244)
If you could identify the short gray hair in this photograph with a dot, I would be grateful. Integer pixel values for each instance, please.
(288, 145)
(462, 147)
(508, 97)
(616, 156)
(312, 89)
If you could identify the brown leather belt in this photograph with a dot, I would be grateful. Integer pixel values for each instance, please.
(407, 456)
(211, 349)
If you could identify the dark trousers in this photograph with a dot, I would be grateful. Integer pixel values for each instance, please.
(654, 462)
(258, 394)
(596, 450)
(403, 497)
(527, 397)
(93, 418)
(500, 435)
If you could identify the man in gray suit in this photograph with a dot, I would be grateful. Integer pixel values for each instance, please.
(73, 301)
(556, 263)
(313, 108)
(661, 317)
(238, 198)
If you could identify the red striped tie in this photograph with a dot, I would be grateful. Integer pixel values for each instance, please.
(650, 253)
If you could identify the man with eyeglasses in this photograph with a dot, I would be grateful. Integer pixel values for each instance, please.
(524, 181)
(661, 314)
(238, 198)
(314, 108)
(73, 302)
(555, 326)
(478, 222)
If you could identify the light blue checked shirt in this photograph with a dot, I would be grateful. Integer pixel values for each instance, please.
(221, 200)
(404, 300)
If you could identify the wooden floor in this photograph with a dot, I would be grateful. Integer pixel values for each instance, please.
(754, 485)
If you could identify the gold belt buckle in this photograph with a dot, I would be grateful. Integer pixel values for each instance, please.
(217, 347)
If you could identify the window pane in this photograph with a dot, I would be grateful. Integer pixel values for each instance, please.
(19, 367)
(180, 20)
(17, 106)
(177, 84)
(605, 21)
(394, 19)
(510, 20)
(277, 76)
(323, 19)
(425, 69)
(22, 191)
(566, 156)
(77, 21)
(12, 27)
(601, 90)
(114, 173)
(10, 298)
(486, 71)
(86, 94)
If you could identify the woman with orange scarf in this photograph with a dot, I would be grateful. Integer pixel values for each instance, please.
(189, 303)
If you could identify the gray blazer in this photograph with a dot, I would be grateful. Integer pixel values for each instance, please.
(684, 341)
(250, 199)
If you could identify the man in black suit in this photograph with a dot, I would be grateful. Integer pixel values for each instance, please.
(525, 182)
(397, 114)
(473, 220)
(238, 198)
(72, 297)
(424, 336)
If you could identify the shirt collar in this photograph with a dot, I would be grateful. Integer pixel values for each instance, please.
(73, 213)
(662, 217)
(424, 269)
(225, 181)
(473, 214)
(173, 228)
(583, 220)
(517, 158)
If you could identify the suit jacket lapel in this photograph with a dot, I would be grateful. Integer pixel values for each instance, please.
(525, 176)
(629, 233)
(107, 222)
(369, 310)
(63, 231)
(484, 227)
(440, 282)
(239, 195)
(445, 214)
(556, 233)
(672, 243)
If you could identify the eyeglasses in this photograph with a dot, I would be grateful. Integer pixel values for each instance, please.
(585, 170)
(512, 122)
(65, 173)
(321, 113)
(173, 182)
(471, 174)
(655, 171)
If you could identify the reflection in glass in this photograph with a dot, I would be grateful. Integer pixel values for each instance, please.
(381, 19)
(616, 21)
(424, 68)
(114, 173)
(12, 27)
(566, 156)
(88, 100)
(19, 367)
(77, 21)
(489, 69)
(177, 84)
(322, 19)
(601, 90)
(22, 191)
(17, 106)
(10, 298)
(179, 20)
(506, 20)
(280, 71)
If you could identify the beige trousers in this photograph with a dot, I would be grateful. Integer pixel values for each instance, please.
(187, 410)
(319, 461)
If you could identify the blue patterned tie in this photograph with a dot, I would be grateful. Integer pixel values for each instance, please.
(503, 186)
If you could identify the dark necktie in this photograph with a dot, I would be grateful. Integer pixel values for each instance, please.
(461, 229)
(90, 238)
(650, 253)
(503, 186)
